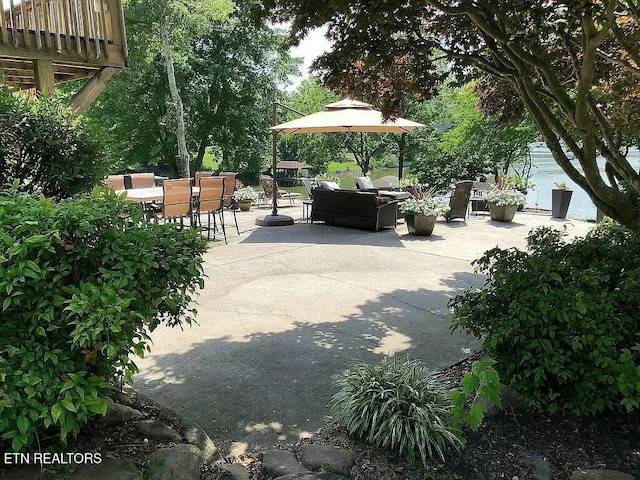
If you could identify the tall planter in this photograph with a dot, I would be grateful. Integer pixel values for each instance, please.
(560, 200)
(502, 213)
(421, 225)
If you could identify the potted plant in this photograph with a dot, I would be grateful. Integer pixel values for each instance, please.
(421, 214)
(560, 199)
(504, 202)
(522, 184)
(244, 197)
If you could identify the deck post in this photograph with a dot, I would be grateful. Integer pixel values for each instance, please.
(44, 76)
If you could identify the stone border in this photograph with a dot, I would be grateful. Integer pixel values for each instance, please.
(190, 430)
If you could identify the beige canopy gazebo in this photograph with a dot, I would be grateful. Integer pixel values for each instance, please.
(347, 116)
(343, 116)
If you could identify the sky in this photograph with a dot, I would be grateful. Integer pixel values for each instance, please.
(309, 49)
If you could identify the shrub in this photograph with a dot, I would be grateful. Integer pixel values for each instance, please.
(45, 149)
(396, 404)
(83, 283)
(482, 382)
(561, 320)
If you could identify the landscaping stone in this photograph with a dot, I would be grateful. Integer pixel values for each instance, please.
(542, 469)
(181, 462)
(600, 475)
(109, 469)
(158, 431)
(191, 431)
(510, 401)
(277, 463)
(117, 413)
(327, 459)
(196, 436)
(235, 471)
(311, 476)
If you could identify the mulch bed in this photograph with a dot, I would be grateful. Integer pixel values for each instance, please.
(511, 445)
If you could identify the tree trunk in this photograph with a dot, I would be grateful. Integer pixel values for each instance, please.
(183, 153)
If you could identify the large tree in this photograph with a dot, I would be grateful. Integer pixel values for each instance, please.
(227, 75)
(177, 22)
(236, 72)
(574, 65)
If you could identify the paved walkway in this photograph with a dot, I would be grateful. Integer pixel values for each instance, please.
(286, 308)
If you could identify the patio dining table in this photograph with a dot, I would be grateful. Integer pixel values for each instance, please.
(150, 194)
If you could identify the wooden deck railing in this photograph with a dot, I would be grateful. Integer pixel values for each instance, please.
(88, 28)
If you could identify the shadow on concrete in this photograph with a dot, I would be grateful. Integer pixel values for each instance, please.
(511, 224)
(322, 234)
(250, 389)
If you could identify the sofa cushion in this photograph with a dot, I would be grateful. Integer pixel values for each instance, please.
(364, 183)
(328, 185)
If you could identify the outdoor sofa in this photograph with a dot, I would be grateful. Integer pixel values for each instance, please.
(353, 209)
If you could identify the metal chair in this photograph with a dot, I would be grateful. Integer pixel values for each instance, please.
(229, 188)
(115, 181)
(176, 201)
(143, 180)
(459, 201)
(198, 176)
(267, 184)
(211, 201)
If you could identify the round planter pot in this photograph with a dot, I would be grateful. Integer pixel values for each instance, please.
(244, 206)
(421, 225)
(502, 213)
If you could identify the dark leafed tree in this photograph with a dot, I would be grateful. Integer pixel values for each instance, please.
(573, 65)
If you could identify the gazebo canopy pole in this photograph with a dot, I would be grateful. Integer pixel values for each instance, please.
(274, 193)
(275, 220)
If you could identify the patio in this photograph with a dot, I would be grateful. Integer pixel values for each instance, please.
(286, 308)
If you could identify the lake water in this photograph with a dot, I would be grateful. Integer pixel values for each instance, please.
(545, 171)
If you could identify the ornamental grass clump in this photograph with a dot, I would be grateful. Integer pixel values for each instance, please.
(396, 404)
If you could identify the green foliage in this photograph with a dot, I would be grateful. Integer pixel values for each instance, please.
(463, 143)
(227, 74)
(83, 283)
(482, 382)
(561, 320)
(396, 404)
(45, 148)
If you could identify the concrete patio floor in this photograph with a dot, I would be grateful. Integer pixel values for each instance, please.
(284, 309)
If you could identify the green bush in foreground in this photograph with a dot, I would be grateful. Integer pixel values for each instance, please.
(398, 405)
(561, 320)
(83, 282)
(45, 148)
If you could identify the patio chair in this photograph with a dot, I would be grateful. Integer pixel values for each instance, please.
(198, 176)
(267, 185)
(230, 187)
(176, 201)
(211, 201)
(115, 181)
(366, 185)
(479, 193)
(143, 180)
(308, 186)
(459, 201)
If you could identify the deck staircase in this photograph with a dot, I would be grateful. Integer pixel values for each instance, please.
(45, 42)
